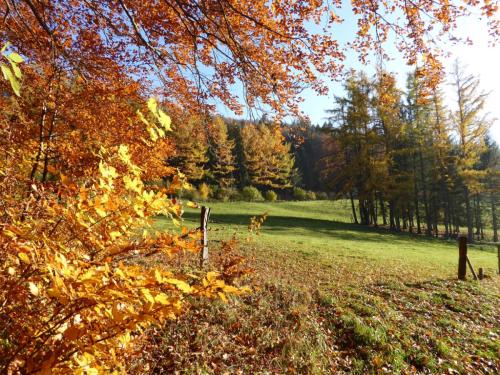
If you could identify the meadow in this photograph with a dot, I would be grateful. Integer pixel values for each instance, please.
(333, 297)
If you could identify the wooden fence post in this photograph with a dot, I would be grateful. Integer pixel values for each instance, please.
(498, 254)
(462, 257)
(480, 273)
(205, 213)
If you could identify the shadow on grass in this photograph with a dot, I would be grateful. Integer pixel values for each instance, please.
(336, 229)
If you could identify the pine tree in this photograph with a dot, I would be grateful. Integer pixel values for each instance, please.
(360, 145)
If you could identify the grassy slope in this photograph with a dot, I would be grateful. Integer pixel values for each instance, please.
(336, 297)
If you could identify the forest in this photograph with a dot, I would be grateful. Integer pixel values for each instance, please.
(403, 158)
(331, 247)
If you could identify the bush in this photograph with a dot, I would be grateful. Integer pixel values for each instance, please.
(251, 194)
(271, 196)
(224, 194)
(204, 191)
(235, 195)
(191, 194)
(322, 196)
(311, 196)
(299, 194)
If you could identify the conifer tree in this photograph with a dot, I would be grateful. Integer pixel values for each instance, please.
(222, 159)
(470, 125)
(191, 148)
(267, 158)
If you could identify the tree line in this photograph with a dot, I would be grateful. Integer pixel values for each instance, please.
(411, 160)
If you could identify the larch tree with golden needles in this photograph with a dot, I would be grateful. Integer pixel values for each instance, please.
(191, 148)
(470, 124)
(221, 153)
(267, 157)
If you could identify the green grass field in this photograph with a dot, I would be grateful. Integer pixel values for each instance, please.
(334, 297)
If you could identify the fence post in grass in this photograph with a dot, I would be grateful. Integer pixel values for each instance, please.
(462, 257)
(498, 254)
(205, 213)
(480, 273)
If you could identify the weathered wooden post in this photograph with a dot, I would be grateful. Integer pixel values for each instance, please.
(205, 213)
(498, 254)
(462, 257)
(471, 269)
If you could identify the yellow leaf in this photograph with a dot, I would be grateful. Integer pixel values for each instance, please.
(230, 289)
(162, 299)
(192, 204)
(114, 235)
(124, 154)
(138, 210)
(107, 171)
(212, 276)
(124, 339)
(24, 257)
(158, 276)
(100, 211)
(222, 296)
(147, 294)
(181, 285)
(148, 196)
(132, 184)
(11, 271)
(152, 105)
(164, 120)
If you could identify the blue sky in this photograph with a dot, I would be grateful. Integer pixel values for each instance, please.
(479, 59)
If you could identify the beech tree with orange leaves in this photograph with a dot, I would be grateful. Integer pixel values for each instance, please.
(77, 143)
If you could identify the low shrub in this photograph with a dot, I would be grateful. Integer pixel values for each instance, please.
(271, 196)
(251, 194)
(311, 196)
(299, 194)
(226, 194)
(189, 194)
(322, 196)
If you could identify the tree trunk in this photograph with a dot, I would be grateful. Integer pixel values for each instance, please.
(417, 213)
(392, 220)
(353, 207)
(382, 209)
(446, 203)
(479, 221)
(468, 210)
(494, 218)
(398, 222)
(424, 191)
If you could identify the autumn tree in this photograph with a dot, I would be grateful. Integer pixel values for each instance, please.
(76, 297)
(388, 124)
(267, 158)
(470, 125)
(221, 154)
(191, 148)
